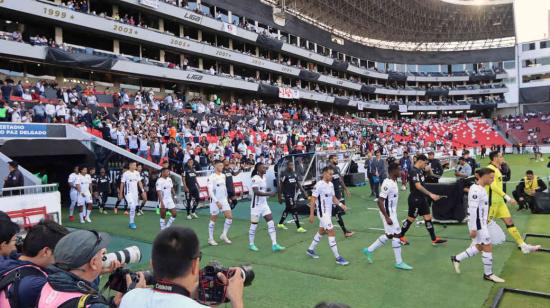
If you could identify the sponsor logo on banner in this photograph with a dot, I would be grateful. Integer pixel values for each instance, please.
(195, 77)
(150, 3)
(192, 17)
(230, 28)
(288, 93)
(23, 131)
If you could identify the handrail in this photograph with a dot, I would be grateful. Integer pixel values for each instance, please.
(29, 190)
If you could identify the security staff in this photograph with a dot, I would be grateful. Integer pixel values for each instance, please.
(191, 188)
(288, 187)
(526, 190)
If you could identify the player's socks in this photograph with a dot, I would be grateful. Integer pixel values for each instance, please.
(71, 209)
(468, 253)
(170, 221)
(252, 233)
(82, 215)
(514, 233)
(341, 222)
(227, 225)
(333, 246)
(315, 242)
(487, 259)
(132, 214)
(396, 245)
(430, 228)
(272, 232)
(296, 220)
(283, 217)
(405, 227)
(88, 214)
(211, 226)
(162, 224)
(380, 241)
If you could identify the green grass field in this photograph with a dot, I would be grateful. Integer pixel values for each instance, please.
(292, 279)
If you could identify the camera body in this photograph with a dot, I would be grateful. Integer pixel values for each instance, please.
(211, 290)
(117, 279)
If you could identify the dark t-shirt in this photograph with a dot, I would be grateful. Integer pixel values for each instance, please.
(416, 176)
(190, 176)
(336, 177)
(229, 181)
(289, 183)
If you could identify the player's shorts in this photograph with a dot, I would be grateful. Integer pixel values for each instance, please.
(325, 222)
(499, 210)
(260, 210)
(418, 206)
(193, 194)
(132, 201)
(168, 204)
(83, 200)
(214, 210)
(482, 237)
(289, 203)
(394, 228)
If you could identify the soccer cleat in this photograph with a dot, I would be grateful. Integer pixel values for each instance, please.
(312, 254)
(194, 215)
(341, 261)
(139, 213)
(277, 247)
(349, 234)
(132, 226)
(115, 210)
(526, 248)
(88, 219)
(403, 187)
(189, 217)
(438, 241)
(375, 200)
(126, 213)
(212, 243)
(104, 212)
(403, 266)
(369, 255)
(224, 238)
(82, 221)
(404, 241)
(493, 278)
(301, 230)
(157, 211)
(456, 264)
(71, 218)
(282, 226)
(253, 247)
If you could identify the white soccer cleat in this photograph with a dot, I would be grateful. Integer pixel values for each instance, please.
(189, 217)
(88, 219)
(456, 264)
(526, 248)
(224, 238)
(493, 278)
(212, 243)
(194, 215)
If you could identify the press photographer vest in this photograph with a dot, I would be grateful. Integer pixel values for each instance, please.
(13, 277)
(531, 185)
(60, 299)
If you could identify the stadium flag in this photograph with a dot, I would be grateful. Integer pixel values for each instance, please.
(150, 3)
(229, 28)
(360, 105)
(402, 108)
(288, 93)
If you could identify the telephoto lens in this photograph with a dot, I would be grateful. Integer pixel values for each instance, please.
(127, 255)
(247, 273)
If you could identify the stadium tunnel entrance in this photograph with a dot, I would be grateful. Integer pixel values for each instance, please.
(56, 157)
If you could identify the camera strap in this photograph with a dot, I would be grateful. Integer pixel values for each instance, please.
(165, 287)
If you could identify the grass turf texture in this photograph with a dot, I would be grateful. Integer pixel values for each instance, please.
(292, 279)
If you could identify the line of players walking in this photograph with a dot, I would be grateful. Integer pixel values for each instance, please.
(327, 200)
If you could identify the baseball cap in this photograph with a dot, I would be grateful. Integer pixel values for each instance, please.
(79, 247)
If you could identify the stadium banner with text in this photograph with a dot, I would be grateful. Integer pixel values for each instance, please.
(229, 28)
(23, 131)
(150, 3)
(288, 93)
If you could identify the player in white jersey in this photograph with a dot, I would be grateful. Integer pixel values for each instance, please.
(165, 192)
(84, 201)
(219, 202)
(129, 184)
(387, 204)
(73, 193)
(259, 208)
(478, 209)
(323, 198)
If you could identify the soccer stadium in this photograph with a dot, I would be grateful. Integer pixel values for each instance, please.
(274, 153)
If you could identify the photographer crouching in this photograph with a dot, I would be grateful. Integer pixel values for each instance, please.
(78, 264)
(176, 259)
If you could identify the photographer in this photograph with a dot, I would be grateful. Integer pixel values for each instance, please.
(78, 264)
(526, 190)
(176, 265)
(23, 276)
(8, 232)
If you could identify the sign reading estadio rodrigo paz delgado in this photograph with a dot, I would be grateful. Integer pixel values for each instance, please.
(23, 131)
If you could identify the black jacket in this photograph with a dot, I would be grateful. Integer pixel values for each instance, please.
(15, 179)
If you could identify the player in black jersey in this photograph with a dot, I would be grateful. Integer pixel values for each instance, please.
(339, 186)
(191, 188)
(418, 204)
(288, 188)
(102, 189)
(229, 174)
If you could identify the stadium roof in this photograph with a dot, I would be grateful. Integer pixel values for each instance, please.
(407, 24)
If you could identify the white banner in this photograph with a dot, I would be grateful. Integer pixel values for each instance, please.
(402, 108)
(50, 200)
(360, 105)
(288, 93)
(229, 28)
(150, 3)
